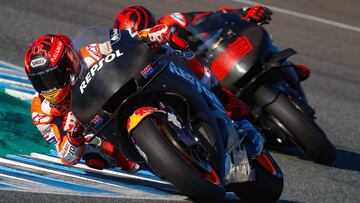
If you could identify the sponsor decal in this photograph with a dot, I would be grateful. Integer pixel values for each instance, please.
(178, 17)
(53, 141)
(56, 53)
(147, 71)
(199, 86)
(38, 62)
(72, 79)
(222, 65)
(94, 49)
(49, 91)
(115, 36)
(49, 135)
(46, 107)
(40, 118)
(97, 120)
(97, 67)
(139, 114)
(69, 152)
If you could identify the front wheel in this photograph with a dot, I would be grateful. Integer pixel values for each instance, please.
(151, 137)
(268, 184)
(302, 130)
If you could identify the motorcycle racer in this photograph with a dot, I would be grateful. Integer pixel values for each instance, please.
(50, 62)
(259, 15)
(136, 18)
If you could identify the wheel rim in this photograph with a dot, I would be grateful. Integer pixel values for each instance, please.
(209, 176)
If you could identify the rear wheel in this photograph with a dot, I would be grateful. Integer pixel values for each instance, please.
(268, 184)
(163, 157)
(302, 130)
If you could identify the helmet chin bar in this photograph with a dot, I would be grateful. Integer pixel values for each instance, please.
(58, 96)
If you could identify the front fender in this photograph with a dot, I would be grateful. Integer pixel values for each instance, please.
(266, 94)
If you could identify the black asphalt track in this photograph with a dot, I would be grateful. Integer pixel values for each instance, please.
(332, 53)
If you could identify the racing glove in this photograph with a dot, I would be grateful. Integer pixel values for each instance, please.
(258, 14)
(73, 129)
(158, 35)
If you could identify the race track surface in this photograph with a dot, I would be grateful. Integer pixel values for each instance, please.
(326, 34)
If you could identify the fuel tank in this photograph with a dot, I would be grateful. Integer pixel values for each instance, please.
(238, 51)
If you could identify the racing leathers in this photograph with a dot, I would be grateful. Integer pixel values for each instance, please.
(60, 128)
(180, 23)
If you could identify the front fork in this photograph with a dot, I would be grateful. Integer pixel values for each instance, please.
(251, 136)
(247, 144)
(291, 82)
(267, 94)
(297, 96)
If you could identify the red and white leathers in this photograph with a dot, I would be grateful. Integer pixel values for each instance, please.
(56, 124)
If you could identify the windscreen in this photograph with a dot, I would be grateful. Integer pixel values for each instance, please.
(92, 35)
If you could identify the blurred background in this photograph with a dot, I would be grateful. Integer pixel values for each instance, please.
(325, 33)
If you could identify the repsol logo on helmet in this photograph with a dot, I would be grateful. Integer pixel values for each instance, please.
(98, 67)
(38, 62)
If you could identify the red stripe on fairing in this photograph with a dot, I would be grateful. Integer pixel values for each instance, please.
(222, 65)
(179, 41)
(197, 17)
(225, 8)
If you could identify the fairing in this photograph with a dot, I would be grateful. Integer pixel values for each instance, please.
(231, 47)
(96, 85)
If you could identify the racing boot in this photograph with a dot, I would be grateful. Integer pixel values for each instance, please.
(101, 154)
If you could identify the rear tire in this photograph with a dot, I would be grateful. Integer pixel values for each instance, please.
(166, 161)
(302, 130)
(268, 185)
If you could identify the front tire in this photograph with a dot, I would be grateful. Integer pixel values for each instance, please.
(167, 162)
(302, 130)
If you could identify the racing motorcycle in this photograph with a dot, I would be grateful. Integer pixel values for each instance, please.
(244, 60)
(155, 110)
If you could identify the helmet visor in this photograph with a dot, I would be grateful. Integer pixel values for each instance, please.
(49, 79)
